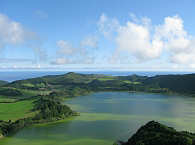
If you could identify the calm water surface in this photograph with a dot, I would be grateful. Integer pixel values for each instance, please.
(109, 116)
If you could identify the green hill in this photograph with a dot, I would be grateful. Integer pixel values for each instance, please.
(154, 133)
(75, 84)
(176, 83)
(71, 84)
(3, 83)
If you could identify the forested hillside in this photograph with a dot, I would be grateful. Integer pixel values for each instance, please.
(154, 133)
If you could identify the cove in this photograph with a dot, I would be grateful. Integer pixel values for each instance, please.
(109, 116)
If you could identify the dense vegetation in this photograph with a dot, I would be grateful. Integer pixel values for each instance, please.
(6, 91)
(46, 109)
(51, 109)
(154, 133)
(74, 84)
(176, 83)
(3, 83)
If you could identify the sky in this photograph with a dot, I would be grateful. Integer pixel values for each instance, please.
(97, 34)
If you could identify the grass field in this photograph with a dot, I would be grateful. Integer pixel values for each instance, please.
(130, 82)
(29, 93)
(6, 99)
(106, 78)
(14, 111)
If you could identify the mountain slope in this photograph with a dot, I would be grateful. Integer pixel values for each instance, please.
(175, 83)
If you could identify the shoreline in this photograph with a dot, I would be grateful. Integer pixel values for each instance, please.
(39, 123)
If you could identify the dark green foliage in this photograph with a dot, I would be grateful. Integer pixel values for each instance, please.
(110, 85)
(70, 78)
(133, 78)
(4, 127)
(75, 90)
(19, 124)
(50, 108)
(8, 91)
(74, 84)
(154, 133)
(3, 83)
(33, 84)
(176, 83)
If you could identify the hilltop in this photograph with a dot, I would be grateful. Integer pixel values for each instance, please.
(154, 133)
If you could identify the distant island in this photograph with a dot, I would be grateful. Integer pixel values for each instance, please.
(39, 100)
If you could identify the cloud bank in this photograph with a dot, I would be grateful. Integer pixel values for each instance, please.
(144, 41)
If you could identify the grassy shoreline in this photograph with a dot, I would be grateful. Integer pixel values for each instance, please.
(42, 110)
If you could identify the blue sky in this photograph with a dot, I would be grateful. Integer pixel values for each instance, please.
(97, 34)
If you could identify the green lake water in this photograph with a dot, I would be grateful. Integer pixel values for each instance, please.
(109, 116)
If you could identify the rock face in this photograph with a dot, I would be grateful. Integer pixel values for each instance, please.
(154, 133)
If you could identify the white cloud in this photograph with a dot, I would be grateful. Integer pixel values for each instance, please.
(136, 40)
(60, 61)
(67, 54)
(65, 48)
(183, 58)
(144, 41)
(90, 41)
(107, 25)
(179, 44)
(13, 33)
(10, 31)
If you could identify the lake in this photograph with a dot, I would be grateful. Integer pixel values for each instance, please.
(109, 116)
